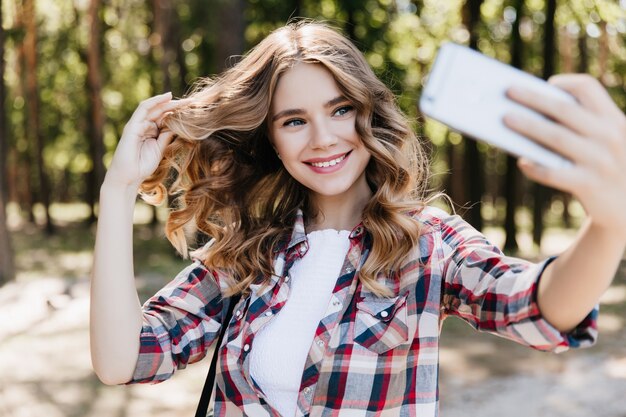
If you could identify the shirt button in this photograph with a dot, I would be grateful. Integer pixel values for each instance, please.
(383, 314)
(268, 313)
(246, 347)
(302, 249)
(287, 278)
(320, 343)
(336, 303)
(307, 391)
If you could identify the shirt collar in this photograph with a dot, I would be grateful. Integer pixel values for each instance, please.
(298, 240)
(298, 234)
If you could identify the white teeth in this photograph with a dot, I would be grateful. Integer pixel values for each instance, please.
(328, 163)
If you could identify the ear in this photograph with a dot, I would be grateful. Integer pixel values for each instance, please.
(269, 134)
(270, 139)
(275, 150)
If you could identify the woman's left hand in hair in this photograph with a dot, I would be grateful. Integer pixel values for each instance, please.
(592, 134)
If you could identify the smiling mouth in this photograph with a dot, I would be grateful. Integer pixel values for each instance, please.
(330, 163)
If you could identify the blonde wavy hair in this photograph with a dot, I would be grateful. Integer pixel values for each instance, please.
(229, 184)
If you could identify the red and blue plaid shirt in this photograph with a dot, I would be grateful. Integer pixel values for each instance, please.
(371, 356)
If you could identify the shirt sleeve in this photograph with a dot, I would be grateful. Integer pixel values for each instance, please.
(498, 294)
(180, 322)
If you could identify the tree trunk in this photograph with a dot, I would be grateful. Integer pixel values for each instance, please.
(567, 66)
(231, 28)
(474, 175)
(96, 126)
(163, 51)
(549, 51)
(21, 171)
(455, 184)
(182, 67)
(511, 190)
(7, 269)
(32, 103)
(351, 7)
(4, 139)
(166, 53)
(297, 8)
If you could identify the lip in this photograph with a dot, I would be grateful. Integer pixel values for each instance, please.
(326, 159)
(328, 169)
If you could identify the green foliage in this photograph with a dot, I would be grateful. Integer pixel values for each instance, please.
(399, 38)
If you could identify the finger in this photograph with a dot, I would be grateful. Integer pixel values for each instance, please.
(562, 179)
(570, 114)
(148, 104)
(158, 112)
(549, 134)
(164, 139)
(151, 130)
(142, 130)
(589, 92)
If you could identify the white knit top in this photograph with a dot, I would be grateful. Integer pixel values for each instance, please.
(281, 348)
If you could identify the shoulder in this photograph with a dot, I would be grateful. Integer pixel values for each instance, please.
(430, 218)
(201, 253)
(199, 257)
(436, 220)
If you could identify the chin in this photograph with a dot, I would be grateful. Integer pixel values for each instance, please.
(330, 191)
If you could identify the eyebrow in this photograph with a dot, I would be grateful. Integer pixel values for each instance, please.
(295, 112)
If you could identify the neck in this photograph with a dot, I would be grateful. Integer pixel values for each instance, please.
(340, 212)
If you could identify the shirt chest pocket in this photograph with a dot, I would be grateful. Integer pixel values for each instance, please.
(381, 323)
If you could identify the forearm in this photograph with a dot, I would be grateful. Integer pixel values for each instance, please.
(115, 316)
(571, 285)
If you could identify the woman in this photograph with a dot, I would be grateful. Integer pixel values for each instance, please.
(299, 164)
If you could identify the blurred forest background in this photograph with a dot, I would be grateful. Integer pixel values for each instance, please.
(74, 70)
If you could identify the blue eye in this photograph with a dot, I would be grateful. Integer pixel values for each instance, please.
(294, 122)
(342, 111)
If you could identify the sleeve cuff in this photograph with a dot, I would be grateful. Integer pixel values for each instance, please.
(546, 337)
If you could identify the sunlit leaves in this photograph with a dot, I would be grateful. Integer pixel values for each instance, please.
(399, 38)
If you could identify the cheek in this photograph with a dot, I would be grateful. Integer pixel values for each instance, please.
(348, 126)
(366, 158)
(289, 144)
(277, 142)
(364, 154)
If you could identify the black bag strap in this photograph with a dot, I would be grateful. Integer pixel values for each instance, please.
(207, 391)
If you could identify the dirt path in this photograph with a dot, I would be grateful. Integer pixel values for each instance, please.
(45, 368)
(492, 377)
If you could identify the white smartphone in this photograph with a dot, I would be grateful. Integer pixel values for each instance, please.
(466, 90)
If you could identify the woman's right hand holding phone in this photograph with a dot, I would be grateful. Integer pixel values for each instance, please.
(591, 132)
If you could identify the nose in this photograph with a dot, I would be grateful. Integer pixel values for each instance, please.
(322, 135)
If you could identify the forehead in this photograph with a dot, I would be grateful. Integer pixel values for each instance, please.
(303, 84)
